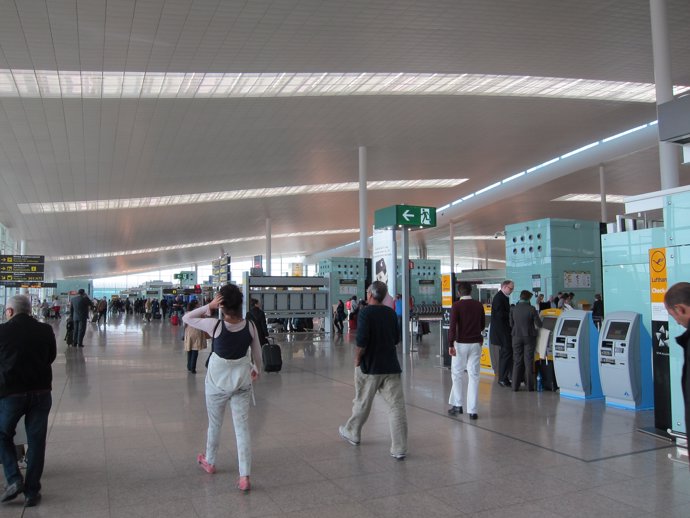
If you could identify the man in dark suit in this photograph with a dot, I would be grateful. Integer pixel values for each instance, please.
(499, 335)
(79, 311)
(524, 321)
(27, 350)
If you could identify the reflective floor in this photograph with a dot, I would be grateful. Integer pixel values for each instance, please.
(128, 422)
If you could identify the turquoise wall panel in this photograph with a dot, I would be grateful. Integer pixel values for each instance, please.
(631, 247)
(677, 219)
(549, 248)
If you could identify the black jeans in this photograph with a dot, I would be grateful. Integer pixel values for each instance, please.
(338, 323)
(35, 407)
(191, 360)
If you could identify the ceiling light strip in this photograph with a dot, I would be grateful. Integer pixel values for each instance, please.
(244, 194)
(134, 85)
(553, 161)
(180, 246)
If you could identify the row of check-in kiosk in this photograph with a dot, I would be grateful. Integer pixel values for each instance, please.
(611, 362)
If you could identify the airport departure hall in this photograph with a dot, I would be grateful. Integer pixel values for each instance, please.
(300, 155)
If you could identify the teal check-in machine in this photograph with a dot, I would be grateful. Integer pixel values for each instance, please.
(625, 363)
(575, 340)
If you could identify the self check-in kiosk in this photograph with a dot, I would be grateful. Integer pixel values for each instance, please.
(625, 362)
(575, 340)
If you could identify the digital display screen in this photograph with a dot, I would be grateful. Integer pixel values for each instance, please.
(617, 330)
(570, 327)
(487, 320)
(549, 323)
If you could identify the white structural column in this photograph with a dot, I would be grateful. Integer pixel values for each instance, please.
(668, 152)
(405, 290)
(267, 270)
(363, 248)
(452, 247)
(602, 193)
(22, 247)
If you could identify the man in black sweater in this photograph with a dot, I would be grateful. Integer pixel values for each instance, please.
(467, 321)
(377, 370)
(27, 350)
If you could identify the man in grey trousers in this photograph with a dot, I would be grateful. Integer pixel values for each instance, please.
(377, 370)
(524, 321)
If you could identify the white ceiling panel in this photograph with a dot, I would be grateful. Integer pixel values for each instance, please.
(62, 148)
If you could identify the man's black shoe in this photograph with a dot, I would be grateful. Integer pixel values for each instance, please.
(12, 491)
(504, 383)
(473, 416)
(32, 501)
(455, 410)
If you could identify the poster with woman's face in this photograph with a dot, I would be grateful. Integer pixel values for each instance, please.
(381, 271)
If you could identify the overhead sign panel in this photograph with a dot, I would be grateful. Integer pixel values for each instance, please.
(405, 216)
(22, 259)
(21, 267)
(21, 276)
(25, 284)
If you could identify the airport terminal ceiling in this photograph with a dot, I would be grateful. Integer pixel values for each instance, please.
(103, 105)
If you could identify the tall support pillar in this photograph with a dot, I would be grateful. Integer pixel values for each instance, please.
(405, 290)
(452, 247)
(22, 251)
(602, 192)
(668, 152)
(363, 249)
(268, 247)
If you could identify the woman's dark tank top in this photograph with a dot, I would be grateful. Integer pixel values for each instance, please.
(232, 345)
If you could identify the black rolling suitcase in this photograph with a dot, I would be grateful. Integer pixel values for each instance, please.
(548, 375)
(271, 356)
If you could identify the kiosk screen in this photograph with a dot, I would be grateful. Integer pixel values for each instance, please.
(549, 323)
(487, 320)
(570, 327)
(617, 330)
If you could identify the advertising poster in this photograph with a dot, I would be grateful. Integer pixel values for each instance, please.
(384, 259)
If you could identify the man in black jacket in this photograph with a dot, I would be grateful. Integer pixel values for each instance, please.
(27, 350)
(499, 335)
(677, 302)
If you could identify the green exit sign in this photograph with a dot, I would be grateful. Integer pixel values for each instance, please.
(405, 216)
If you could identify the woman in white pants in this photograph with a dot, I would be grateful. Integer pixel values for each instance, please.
(230, 375)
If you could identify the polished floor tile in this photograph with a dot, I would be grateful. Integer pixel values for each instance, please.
(128, 421)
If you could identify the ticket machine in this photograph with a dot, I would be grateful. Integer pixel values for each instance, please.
(575, 341)
(625, 362)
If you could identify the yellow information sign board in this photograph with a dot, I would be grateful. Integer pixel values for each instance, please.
(658, 279)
